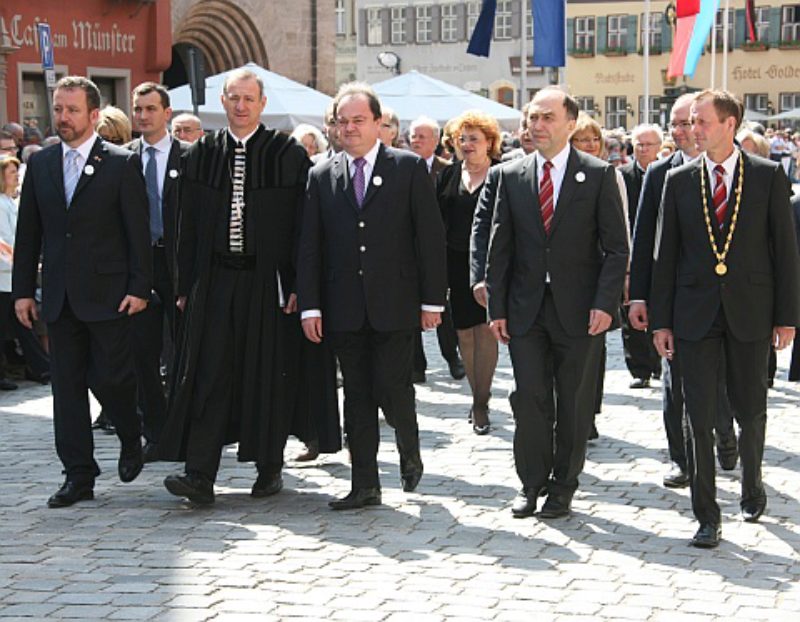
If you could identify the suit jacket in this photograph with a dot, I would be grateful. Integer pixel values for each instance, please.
(169, 198)
(644, 231)
(437, 166)
(97, 250)
(481, 226)
(633, 185)
(585, 254)
(762, 286)
(377, 263)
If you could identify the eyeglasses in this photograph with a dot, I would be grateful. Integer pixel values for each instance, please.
(683, 125)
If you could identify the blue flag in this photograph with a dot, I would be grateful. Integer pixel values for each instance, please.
(549, 25)
(482, 35)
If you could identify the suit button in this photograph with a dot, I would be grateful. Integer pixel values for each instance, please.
(69, 236)
(363, 249)
(361, 224)
(360, 273)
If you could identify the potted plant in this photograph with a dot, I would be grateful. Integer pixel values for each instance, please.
(581, 53)
(616, 50)
(755, 46)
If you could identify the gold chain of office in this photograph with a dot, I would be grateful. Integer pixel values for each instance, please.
(721, 269)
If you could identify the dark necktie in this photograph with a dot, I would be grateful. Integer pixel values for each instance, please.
(358, 180)
(720, 195)
(151, 181)
(546, 197)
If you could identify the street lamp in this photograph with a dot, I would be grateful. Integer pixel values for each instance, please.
(390, 61)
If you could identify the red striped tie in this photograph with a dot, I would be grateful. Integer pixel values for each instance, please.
(720, 195)
(546, 197)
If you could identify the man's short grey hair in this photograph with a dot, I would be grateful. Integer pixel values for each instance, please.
(188, 116)
(243, 74)
(28, 151)
(425, 122)
(643, 128)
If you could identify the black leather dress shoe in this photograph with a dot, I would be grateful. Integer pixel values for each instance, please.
(640, 383)
(456, 367)
(676, 478)
(267, 484)
(103, 423)
(753, 509)
(130, 463)
(555, 506)
(7, 385)
(707, 536)
(727, 451)
(70, 493)
(357, 498)
(410, 479)
(150, 452)
(525, 504)
(310, 453)
(193, 486)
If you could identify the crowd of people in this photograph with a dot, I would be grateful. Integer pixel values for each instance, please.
(206, 286)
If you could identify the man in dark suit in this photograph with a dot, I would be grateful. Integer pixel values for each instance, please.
(424, 137)
(161, 161)
(555, 272)
(641, 357)
(641, 272)
(371, 271)
(725, 277)
(84, 204)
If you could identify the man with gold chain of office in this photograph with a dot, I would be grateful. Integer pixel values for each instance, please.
(725, 277)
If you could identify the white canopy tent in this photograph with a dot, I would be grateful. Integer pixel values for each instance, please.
(787, 115)
(289, 103)
(414, 94)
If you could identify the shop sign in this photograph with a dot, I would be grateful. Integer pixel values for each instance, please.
(84, 35)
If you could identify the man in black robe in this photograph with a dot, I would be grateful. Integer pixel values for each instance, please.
(237, 369)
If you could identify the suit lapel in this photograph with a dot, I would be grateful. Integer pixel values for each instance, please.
(528, 176)
(173, 170)
(56, 168)
(342, 176)
(380, 173)
(91, 166)
(568, 187)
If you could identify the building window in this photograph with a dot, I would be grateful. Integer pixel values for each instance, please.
(341, 20)
(758, 102)
(789, 101)
(656, 20)
(505, 95)
(398, 25)
(424, 23)
(617, 32)
(584, 34)
(586, 104)
(449, 23)
(654, 115)
(718, 27)
(473, 12)
(790, 23)
(762, 23)
(374, 27)
(616, 112)
(502, 20)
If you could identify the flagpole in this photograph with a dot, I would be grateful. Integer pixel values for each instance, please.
(725, 45)
(646, 72)
(523, 57)
(713, 51)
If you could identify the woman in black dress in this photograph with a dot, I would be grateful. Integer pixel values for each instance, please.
(476, 138)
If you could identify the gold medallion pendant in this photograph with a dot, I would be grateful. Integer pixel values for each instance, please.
(721, 269)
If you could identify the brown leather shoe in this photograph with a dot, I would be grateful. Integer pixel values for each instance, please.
(309, 454)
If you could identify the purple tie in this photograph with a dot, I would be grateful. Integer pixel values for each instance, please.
(358, 180)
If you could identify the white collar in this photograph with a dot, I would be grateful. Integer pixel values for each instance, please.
(559, 161)
(370, 156)
(729, 164)
(246, 138)
(84, 149)
(162, 145)
(686, 158)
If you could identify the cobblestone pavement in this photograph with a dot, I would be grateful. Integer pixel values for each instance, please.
(450, 551)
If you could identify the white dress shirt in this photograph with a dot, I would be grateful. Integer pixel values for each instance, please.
(162, 148)
(84, 149)
(559, 162)
(730, 168)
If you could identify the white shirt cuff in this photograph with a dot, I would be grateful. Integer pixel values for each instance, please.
(310, 313)
(433, 308)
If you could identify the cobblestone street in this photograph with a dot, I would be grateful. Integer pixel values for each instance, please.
(450, 551)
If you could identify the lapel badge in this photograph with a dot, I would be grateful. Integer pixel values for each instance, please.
(97, 158)
(173, 174)
(88, 169)
(377, 181)
(580, 177)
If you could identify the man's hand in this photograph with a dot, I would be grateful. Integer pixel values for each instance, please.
(25, 308)
(499, 329)
(429, 319)
(479, 293)
(291, 304)
(181, 303)
(312, 327)
(637, 315)
(782, 336)
(664, 343)
(626, 289)
(131, 305)
(599, 321)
